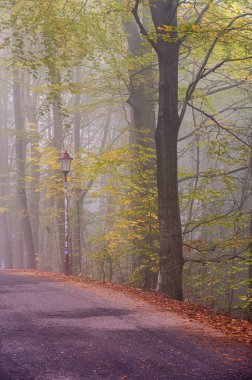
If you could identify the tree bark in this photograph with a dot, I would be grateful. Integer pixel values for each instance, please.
(5, 244)
(143, 122)
(166, 136)
(250, 248)
(20, 151)
(34, 198)
(77, 203)
(58, 144)
(140, 87)
(171, 254)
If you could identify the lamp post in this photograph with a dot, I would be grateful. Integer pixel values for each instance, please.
(65, 167)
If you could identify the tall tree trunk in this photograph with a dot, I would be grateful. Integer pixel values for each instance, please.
(250, 272)
(250, 245)
(167, 49)
(141, 87)
(20, 151)
(171, 254)
(5, 245)
(143, 123)
(58, 144)
(77, 204)
(77, 114)
(31, 107)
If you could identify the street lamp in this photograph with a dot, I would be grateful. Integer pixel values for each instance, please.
(65, 167)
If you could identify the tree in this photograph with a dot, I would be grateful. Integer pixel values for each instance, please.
(5, 241)
(140, 88)
(167, 37)
(20, 150)
(31, 99)
(166, 136)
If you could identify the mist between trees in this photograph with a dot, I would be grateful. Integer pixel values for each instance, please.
(153, 101)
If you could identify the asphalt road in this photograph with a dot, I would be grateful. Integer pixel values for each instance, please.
(59, 331)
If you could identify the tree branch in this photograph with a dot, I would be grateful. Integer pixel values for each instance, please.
(142, 29)
(224, 88)
(200, 223)
(199, 18)
(207, 175)
(222, 63)
(220, 259)
(192, 86)
(218, 124)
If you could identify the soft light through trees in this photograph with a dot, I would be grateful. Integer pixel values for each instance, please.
(99, 79)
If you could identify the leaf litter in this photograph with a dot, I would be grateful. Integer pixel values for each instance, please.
(233, 328)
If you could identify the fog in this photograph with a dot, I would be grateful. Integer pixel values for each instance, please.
(79, 77)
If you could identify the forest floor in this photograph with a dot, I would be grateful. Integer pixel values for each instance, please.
(54, 327)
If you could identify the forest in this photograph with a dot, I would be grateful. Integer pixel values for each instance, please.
(152, 100)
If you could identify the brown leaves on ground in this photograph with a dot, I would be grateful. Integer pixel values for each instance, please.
(233, 328)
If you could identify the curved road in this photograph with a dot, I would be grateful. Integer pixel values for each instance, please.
(61, 331)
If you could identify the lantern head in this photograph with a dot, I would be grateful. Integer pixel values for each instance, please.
(66, 160)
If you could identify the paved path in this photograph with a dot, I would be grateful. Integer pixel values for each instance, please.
(59, 331)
